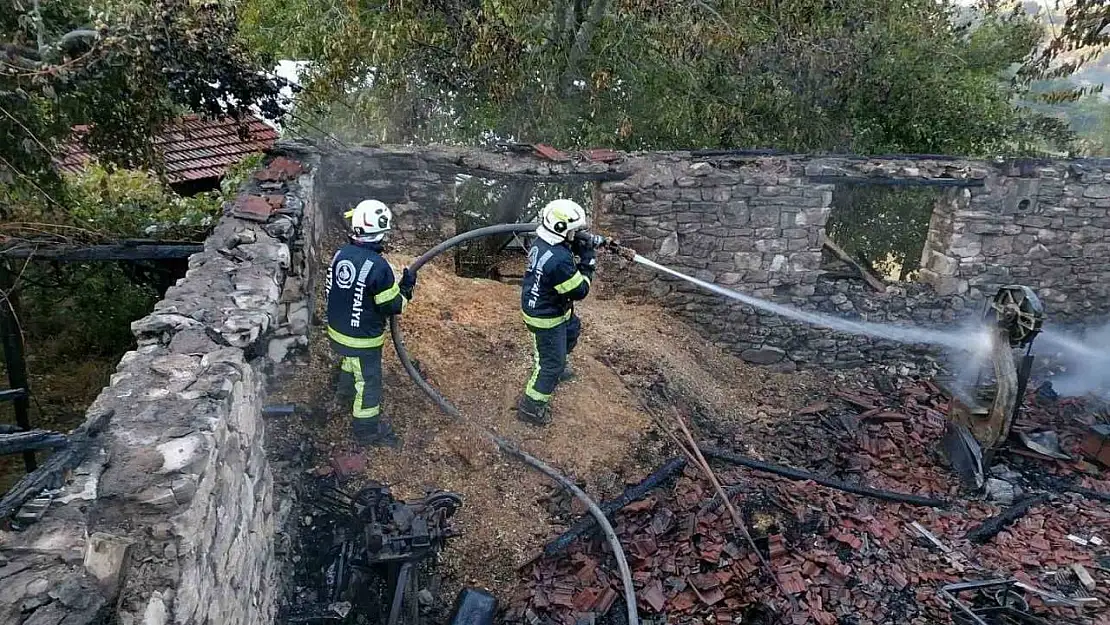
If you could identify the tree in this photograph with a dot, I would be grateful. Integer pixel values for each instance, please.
(121, 67)
(857, 75)
(1084, 35)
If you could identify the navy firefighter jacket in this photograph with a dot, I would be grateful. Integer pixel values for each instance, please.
(362, 293)
(551, 285)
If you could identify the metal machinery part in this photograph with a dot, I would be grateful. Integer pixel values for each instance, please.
(999, 602)
(1019, 311)
(980, 421)
(378, 545)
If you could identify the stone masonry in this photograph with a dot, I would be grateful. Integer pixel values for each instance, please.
(170, 517)
(1042, 224)
(756, 223)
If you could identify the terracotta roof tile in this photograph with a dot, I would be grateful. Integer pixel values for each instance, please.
(191, 148)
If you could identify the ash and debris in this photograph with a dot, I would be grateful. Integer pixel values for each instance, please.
(844, 558)
(847, 559)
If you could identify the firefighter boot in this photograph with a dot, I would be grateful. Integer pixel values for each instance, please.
(532, 411)
(568, 373)
(374, 432)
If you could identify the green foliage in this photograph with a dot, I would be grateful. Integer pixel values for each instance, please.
(1088, 116)
(868, 76)
(107, 203)
(883, 226)
(477, 199)
(133, 204)
(79, 309)
(1082, 38)
(482, 202)
(121, 67)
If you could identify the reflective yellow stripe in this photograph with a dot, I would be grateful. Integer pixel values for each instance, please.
(388, 294)
(530, 390)
(365, 413)
(545, 323)
(355, 342)
(571, 283)
(353, 366)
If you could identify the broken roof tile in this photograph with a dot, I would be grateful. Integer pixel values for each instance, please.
(191, 148)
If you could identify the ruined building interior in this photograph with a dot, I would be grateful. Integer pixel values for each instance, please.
(932, 451)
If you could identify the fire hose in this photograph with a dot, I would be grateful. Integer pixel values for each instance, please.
(506, 446)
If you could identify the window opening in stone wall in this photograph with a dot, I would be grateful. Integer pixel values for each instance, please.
(483, 201)
(883, 227)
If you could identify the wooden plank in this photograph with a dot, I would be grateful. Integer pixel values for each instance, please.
(870, 279)
(925, 533)
(1084, 577)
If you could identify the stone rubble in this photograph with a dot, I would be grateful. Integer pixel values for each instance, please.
(171, 520)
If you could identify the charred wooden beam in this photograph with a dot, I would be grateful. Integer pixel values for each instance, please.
(52, 473)
(89, 253)
(872, 281)
(633, 493)
(799, 475)
(991, 527)
(31, 441)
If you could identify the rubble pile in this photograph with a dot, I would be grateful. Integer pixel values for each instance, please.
(842, 558)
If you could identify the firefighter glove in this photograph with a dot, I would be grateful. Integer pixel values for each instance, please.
(587, 261)
(407, 283)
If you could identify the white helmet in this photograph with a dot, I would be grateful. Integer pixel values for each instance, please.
(370, 221)
(559, 220)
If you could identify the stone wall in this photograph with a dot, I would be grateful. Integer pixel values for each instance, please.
(1042, 224)
(420, 197)
(756, 224)
(169, 518)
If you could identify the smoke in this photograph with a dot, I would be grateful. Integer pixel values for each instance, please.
(1084, 359)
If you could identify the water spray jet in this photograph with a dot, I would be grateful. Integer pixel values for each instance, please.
(976, 340)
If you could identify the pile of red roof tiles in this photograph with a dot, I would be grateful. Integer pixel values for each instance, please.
(843, 559)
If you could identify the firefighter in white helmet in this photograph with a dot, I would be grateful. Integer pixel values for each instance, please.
(361, 295)
(553, 282)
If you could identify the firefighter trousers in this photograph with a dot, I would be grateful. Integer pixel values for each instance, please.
(550, 348)
(360, 380)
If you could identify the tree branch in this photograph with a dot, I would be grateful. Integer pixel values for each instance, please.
(582, 41)
(39, 35)
(28, 58)
(81, 33)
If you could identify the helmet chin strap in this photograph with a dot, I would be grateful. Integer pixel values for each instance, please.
(368, 238)
(550, 237)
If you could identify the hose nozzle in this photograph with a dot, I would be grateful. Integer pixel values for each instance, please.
(589, 240)
(598, 242)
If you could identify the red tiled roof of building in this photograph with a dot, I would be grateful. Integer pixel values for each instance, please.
(192, 148)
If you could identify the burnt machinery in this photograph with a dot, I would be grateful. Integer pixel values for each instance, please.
(980, 418)
(373, 552)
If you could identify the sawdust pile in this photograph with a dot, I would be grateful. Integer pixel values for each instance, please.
(467, 338)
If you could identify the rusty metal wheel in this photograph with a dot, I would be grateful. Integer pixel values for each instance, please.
(1017, 309)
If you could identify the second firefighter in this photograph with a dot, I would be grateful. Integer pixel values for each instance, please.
(552, 283)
